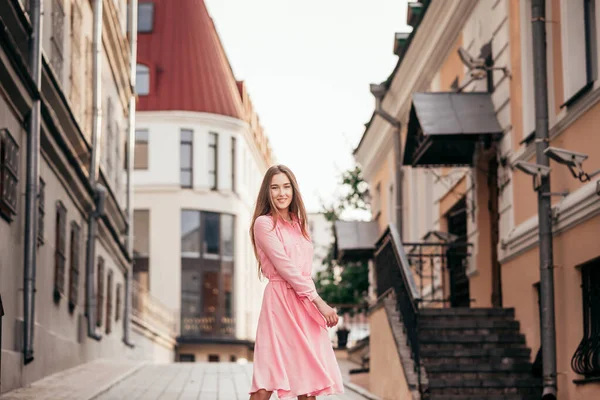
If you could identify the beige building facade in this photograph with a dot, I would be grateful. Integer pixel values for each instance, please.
(487, 202)
(73, 303)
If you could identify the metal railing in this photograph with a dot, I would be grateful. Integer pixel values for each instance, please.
(151, 311)
(586, 359)
(393, 272)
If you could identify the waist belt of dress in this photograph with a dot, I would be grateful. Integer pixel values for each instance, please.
(310, 307)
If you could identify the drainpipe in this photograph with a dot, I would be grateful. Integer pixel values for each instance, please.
(548, 334)
(130, 155)
(398, 176)
(99, 193)
(33, 176)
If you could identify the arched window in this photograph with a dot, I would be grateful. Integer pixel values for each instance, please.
(142, 80)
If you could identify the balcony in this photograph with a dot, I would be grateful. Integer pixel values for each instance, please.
(149, 314)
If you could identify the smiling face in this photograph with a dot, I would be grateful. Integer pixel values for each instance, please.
(281, 191)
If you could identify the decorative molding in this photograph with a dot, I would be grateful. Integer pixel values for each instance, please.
(525, 152)
(576, 208)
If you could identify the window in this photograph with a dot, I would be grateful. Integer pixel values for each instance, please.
(9, 172)
(585, 360)
(376, 202)
(141, 247)
(233, 164)
(75, 78)
(108, 140)
(145, 17)
(213, 358)
(211, 235)
(60, 251)
(74, 269)
(141, 149)
(57, 38)
(186, 155)
(100, 292)
(118, 303)
(232, 358)
(109, 302)
(213, 160)
(41, 211)
(142, 80)
(190, 234)
(187, 358)
(207, 275)
(579, 47)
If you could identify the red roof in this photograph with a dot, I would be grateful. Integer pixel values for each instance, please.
(189, 70)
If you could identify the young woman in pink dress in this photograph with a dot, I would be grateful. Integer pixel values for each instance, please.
(292, 354)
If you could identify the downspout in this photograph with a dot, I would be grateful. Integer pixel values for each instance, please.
(130, 156)
(31, 190)
(94, 170)
(548, 334)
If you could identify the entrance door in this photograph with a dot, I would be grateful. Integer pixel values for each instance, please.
(457, 256)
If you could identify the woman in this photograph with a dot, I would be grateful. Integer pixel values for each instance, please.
(292, 354)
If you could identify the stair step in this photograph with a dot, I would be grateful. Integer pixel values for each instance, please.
(496, 382)
(435, 323)
(474, 352)
(473, 340)
(508, 366)
(467, 312)
(483, 393)
(433, 361)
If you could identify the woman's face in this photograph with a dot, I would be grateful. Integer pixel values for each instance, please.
(281, 191)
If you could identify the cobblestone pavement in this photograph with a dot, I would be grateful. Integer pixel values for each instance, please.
(202, 381)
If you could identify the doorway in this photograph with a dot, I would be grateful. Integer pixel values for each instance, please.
(457, 255)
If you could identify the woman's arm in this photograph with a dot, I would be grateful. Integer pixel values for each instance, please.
(269, 243)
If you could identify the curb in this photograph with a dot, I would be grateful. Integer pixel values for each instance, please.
(361, 391)
(115, 382)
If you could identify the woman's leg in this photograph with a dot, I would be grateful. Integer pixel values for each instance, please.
(305, 397)
(262, 394)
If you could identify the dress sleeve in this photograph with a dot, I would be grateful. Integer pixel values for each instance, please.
(267, 240)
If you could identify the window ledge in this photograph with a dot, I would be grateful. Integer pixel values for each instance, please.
(595, 379)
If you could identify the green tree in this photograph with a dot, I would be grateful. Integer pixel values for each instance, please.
(346, 284)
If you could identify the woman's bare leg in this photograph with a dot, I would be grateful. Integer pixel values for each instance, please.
(305, 397)
(262, 394)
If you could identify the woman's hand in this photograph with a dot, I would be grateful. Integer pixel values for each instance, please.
(328, 313)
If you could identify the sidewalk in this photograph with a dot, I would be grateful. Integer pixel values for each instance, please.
(80, 383)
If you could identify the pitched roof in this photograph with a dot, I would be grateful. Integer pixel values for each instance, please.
(189, 70)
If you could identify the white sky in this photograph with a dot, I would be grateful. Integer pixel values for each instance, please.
(308, 65)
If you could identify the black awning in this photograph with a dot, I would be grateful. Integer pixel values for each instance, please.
(355, 240)
(444, 128)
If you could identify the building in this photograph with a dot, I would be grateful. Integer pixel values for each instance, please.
(65, 263)
(451, 122)
(200, 157)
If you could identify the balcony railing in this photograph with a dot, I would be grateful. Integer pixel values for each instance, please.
(152, 312)
(208, 326)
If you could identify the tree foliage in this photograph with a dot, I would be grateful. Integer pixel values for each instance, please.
(346, 284)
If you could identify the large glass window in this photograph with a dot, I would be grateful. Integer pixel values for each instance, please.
(211, 235)
(186, 158)
(190, 234)
(207, 273)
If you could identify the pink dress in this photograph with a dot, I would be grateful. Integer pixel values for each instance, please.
(292, 354)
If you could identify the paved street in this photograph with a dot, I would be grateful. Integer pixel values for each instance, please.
(203, 381)
(119, 380)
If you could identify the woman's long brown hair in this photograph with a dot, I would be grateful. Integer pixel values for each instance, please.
(265, 205)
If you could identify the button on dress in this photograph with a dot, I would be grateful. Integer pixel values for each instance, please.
(292, 353)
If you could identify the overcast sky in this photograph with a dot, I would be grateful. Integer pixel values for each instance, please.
(308, 65)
